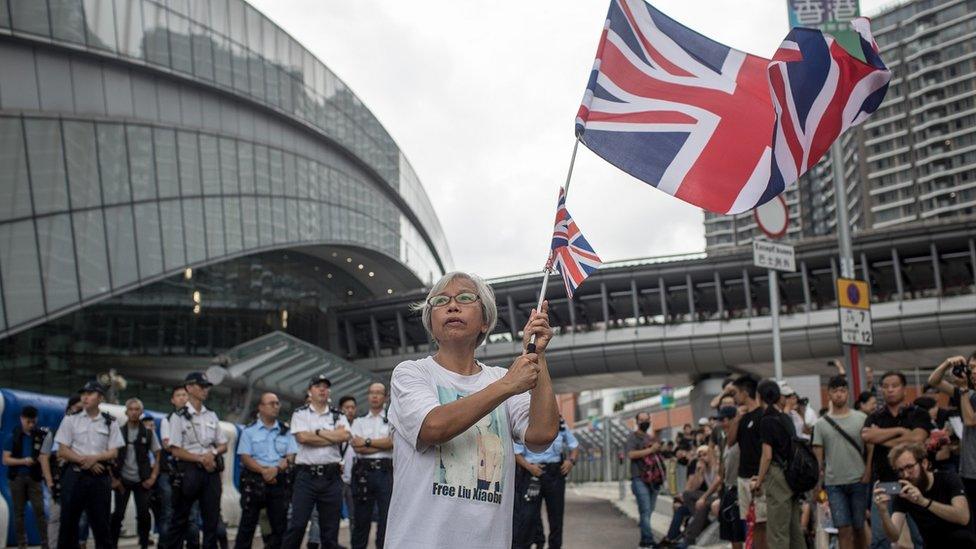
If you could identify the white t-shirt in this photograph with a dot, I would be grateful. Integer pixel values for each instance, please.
(463, 491)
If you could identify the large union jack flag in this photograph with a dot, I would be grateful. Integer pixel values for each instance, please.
(571, 253)
(713, 126)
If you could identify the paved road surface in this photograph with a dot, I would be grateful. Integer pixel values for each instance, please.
(589, 522)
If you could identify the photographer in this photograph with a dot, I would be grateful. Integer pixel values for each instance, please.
(935, 501)
(960, 389)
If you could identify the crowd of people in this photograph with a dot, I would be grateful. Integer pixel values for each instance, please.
(457, 430)
(325, 458)
(869, 470)
(461, 453)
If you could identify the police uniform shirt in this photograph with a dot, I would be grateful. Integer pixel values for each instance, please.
(197, 435)
(565, 440)
(307, 420)
(266, 446)
(372, 426)
(87, 435)
(164, 431)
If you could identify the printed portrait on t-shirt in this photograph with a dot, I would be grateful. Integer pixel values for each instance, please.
(473, 463)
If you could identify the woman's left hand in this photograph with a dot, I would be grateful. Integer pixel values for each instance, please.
(538, 324)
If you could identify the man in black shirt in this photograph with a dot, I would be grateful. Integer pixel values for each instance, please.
(893, 424)
(935, 501)
(745, 433)
(776, 431)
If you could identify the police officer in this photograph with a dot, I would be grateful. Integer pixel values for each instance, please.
(51, 467)
(198, 444)
(168, 472)
(322, 434)
(21, 454)
(372, 473)
(542, 476)
(88, 441)
(266, 449)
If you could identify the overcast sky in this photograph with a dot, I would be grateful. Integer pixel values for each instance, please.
(482, 96)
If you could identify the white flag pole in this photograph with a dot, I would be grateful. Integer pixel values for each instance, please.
(548, 269)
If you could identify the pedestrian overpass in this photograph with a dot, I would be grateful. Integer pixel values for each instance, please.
(676, 319)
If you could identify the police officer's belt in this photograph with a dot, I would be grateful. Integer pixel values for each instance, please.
(329, 469)
(105, 465)
(375, 464)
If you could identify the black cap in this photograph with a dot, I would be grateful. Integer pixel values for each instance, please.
(93, 387)
(319, 379)
(197, 378)
(726, 412)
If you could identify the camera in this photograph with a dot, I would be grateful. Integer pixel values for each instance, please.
(960, 370)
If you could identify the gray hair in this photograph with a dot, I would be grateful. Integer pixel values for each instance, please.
(134, 400)
(486, 296)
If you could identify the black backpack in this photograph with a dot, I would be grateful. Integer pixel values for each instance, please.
(802, 470)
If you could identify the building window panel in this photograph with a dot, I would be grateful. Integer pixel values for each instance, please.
(148, 239)
(249, 217)
(46, 163)
(209, 164)
(290, 176)
(203, 59)
(121, 246)
(232, 224)
(255, 65)
(90, 251)
(112, 162)
(29, 16)
(180, 50)
(292, 216)
(67, 20)
(81, 155)
(100, 24)
(265, 226)
(128, 23)
(261, 170)
(15, 199)
(171, 217)
(196, 247)
(228, 166)
(223, 69)
(245, 163)
(278, 219)
(21, 278)
(167, 168)
(215, 227)
(189, 152)
(218, 16)
(141, 166)
(239, 64)
(157, 34)
(57, 261)
(277, 173)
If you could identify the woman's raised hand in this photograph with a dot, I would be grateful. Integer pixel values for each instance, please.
(538, 324)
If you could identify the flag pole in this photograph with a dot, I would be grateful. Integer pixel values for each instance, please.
(547, 270)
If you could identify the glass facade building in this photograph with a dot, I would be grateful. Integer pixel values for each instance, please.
(141, 138)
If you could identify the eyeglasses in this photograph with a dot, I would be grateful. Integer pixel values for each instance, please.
(905, 469)
(463, 298)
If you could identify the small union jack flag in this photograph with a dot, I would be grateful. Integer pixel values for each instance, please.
(571, 253)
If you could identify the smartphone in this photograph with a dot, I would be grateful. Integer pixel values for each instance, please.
(890, 488)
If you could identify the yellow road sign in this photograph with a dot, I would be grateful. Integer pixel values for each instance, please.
(853, 294)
